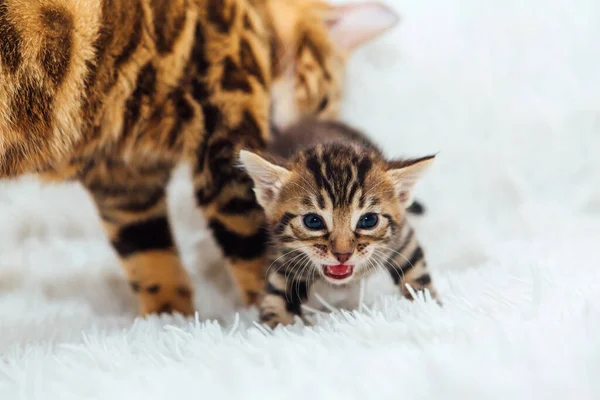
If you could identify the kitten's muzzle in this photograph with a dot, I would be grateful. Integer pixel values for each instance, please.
(339, 272)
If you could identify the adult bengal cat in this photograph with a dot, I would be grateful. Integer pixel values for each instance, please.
(115, 93)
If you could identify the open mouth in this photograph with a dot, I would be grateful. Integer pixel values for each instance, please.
(338, 272)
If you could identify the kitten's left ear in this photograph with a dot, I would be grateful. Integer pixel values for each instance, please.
(405, 174)
(268, 178)
(353, 25)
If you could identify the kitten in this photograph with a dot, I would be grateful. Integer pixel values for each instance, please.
(336, 212)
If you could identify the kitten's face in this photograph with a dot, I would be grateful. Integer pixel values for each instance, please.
(340, 208)
(344, 226)
(314, 40)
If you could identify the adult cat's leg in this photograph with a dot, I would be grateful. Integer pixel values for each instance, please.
(234, 96)
(133, 209)
(224, 193)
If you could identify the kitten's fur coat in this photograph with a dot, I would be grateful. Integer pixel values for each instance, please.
(336, 211)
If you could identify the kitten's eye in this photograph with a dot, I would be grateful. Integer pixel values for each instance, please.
(368, 221)
(314, 222)
(323, 105)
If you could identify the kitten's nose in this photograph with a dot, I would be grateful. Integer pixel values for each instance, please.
(342, 257)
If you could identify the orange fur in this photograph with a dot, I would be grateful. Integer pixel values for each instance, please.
(114, 93)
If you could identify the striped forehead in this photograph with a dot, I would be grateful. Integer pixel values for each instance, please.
(339, 173)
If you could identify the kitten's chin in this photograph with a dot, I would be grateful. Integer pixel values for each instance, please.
(338, 274)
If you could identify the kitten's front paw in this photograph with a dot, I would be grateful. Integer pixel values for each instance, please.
(272, 319)
(419, 286)
(273, 311)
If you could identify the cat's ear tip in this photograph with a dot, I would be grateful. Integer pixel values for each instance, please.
(248, 159)
(386, 12)
(434, 156)
(427, 159)
(243, 156)
(393, 16)
(354, 24)
(247, 155)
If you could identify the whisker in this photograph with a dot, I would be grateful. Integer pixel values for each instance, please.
(294, 198)
(371, 267)
(294, 283)
(385, 258)
(393, 268)
(384, 192)
(286, 262)
(297, 281)
(295, 271)
(277, 259)
(401, 255)
(301, 272)
(283, 255)
(380, 266)
(374, 187)
(312, 187)
(285, 275)
(291, 283)
(303, 188)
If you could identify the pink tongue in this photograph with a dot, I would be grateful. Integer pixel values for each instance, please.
(339, 270)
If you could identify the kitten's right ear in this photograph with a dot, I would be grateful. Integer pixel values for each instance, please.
(268, 178)
(405, 174)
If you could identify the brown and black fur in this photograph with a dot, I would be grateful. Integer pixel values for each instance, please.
(115, 93)
(306, 134)
(336, 172)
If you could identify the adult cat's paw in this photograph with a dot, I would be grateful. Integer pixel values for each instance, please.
(158, 298)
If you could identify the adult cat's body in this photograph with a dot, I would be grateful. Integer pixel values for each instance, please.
(114, 93)
(336, 212)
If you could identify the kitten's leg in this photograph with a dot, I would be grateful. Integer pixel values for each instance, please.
(283, 299)
(133, 210)
(407, 265)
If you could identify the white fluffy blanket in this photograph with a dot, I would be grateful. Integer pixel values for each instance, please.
(509, 93)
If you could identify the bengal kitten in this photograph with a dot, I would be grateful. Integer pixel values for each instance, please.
(115, 93)
(336, 212)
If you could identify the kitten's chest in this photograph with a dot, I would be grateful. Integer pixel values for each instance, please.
(348, 297)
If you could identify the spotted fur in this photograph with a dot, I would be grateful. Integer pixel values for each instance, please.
(115, 93)
(331, 172)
